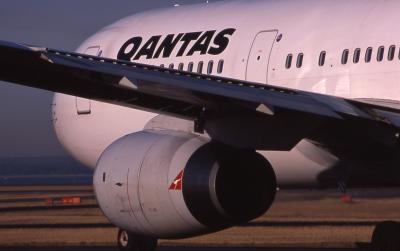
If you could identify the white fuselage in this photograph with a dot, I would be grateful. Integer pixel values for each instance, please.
(266, 33)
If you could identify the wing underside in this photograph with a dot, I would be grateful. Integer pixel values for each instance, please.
(220, 103)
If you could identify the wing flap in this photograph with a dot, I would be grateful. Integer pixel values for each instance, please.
(177, 93)
(85, 73)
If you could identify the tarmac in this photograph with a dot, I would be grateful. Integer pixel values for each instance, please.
(36, 218)
(166, 249)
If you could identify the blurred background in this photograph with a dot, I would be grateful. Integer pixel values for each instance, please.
(28, 145)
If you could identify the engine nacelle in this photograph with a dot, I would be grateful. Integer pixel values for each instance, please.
(173, 185)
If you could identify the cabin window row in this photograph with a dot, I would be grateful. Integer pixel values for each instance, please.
(199, 67)
(380, 56)
(299, 60)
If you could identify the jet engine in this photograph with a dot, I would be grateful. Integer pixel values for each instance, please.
(170, 185)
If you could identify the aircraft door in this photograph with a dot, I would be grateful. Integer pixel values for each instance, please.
(83, 105)
(257, 63)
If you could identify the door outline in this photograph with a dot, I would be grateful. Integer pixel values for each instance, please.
(83, 105)
(269, 55)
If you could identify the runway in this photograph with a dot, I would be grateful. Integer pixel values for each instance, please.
(167, 249)
(298, 218)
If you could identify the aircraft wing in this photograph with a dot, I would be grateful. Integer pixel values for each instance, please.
(182, 94)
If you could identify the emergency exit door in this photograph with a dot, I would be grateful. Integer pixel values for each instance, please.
(83, 105)
(257, 63)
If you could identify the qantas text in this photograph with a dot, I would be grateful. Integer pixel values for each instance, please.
(208, 42)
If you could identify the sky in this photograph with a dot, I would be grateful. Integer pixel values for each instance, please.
(25, 124)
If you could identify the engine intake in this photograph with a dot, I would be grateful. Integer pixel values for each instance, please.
(224, 186)
(172, 185)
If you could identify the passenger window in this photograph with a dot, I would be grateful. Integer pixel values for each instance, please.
(381, 53)
(180, 67)
(345, 56)
(200, 67)
(392, 52)
(210, 67)
(171, 66)
(190, 67)
(289, 59)
(220, 66)
(356, 56)
(368, 55)
(299, 62)
(322, 57)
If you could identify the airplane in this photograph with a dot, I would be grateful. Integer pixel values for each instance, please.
(192, 116)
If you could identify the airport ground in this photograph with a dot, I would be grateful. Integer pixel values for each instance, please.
(167, 248)
(37, 219)
(163, 249)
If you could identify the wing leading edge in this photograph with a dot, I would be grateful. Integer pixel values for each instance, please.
(181, 94)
